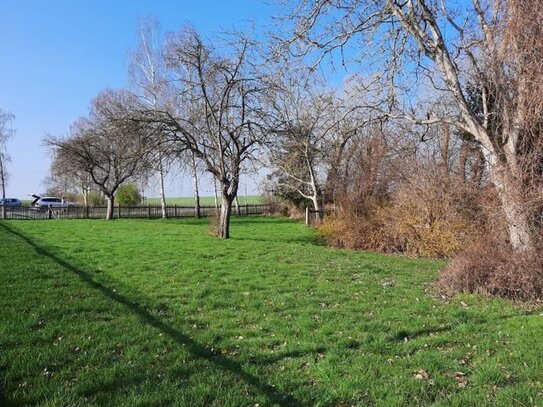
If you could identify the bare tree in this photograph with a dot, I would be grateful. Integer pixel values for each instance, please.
(6, 132)
(109, 146)
(406, 41)
(303, 116)
(147, 71)
(65, 177)
(215, 110)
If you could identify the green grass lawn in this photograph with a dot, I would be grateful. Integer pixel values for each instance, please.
(204, 200)
(158, 313)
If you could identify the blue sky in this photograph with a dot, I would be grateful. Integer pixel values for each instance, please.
(55, 56)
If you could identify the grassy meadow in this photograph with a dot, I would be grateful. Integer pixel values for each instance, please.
(159, 313)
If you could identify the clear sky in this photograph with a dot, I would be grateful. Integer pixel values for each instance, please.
(56, 55)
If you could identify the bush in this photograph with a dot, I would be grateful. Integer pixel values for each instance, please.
(128, 195)
(490, 266)
(428, 221)
(95, 199)
(277, 206)
(213, 225)
(350, 230)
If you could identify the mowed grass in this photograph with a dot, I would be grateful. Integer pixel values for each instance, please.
(204, 200)
(158, 313)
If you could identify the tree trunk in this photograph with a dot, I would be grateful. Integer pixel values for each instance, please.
(478, 166)
(463, 161)
(510, 194)
(110, 207)
(315, 196)
(316, 206)
(196, 188)
(236, 202)
(444, 150)
(216, 196)
(162, 191)
(224, 217)
(85, 195)
(3, 182)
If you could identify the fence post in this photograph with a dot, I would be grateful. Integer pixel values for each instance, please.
(175, 211)
(307, 215)
(119, 211)
(86, 211)
(3, 210)
(148, 211)
(49, 212)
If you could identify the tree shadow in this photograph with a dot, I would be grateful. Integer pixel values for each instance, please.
(412, 334)
(303, 240)
(289, 355)
(177, 336)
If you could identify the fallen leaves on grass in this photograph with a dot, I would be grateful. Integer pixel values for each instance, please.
(461, 379)
(422, 374)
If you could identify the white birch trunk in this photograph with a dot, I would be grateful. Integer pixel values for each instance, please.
(110, 207)
(195, 187)
(162, 190)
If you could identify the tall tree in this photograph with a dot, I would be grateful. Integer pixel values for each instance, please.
(108, 146)
(406, 40)
(148, 74)
(6, 132)
(215, 110)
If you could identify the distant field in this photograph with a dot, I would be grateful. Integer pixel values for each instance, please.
(159, 313)
(204, 200)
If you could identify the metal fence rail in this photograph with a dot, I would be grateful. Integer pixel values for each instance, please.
(119, 212)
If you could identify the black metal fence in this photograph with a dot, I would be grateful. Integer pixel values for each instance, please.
(133, 212)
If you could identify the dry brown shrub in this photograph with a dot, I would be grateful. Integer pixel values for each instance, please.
(348, 230)
(490, 266)
(431, 219)
(280, 207)
(213, 225)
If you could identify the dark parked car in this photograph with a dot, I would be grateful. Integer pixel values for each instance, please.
(10, 202)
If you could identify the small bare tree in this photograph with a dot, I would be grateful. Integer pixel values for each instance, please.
(6, 132)
(65, 177)
(109, 146)
(303, 116)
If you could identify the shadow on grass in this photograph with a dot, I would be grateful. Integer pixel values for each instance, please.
(403, 334)
(289, 355)
(304, 240)
(4, 401)
(192, 346)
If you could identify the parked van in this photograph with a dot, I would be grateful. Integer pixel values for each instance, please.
(44, 202)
